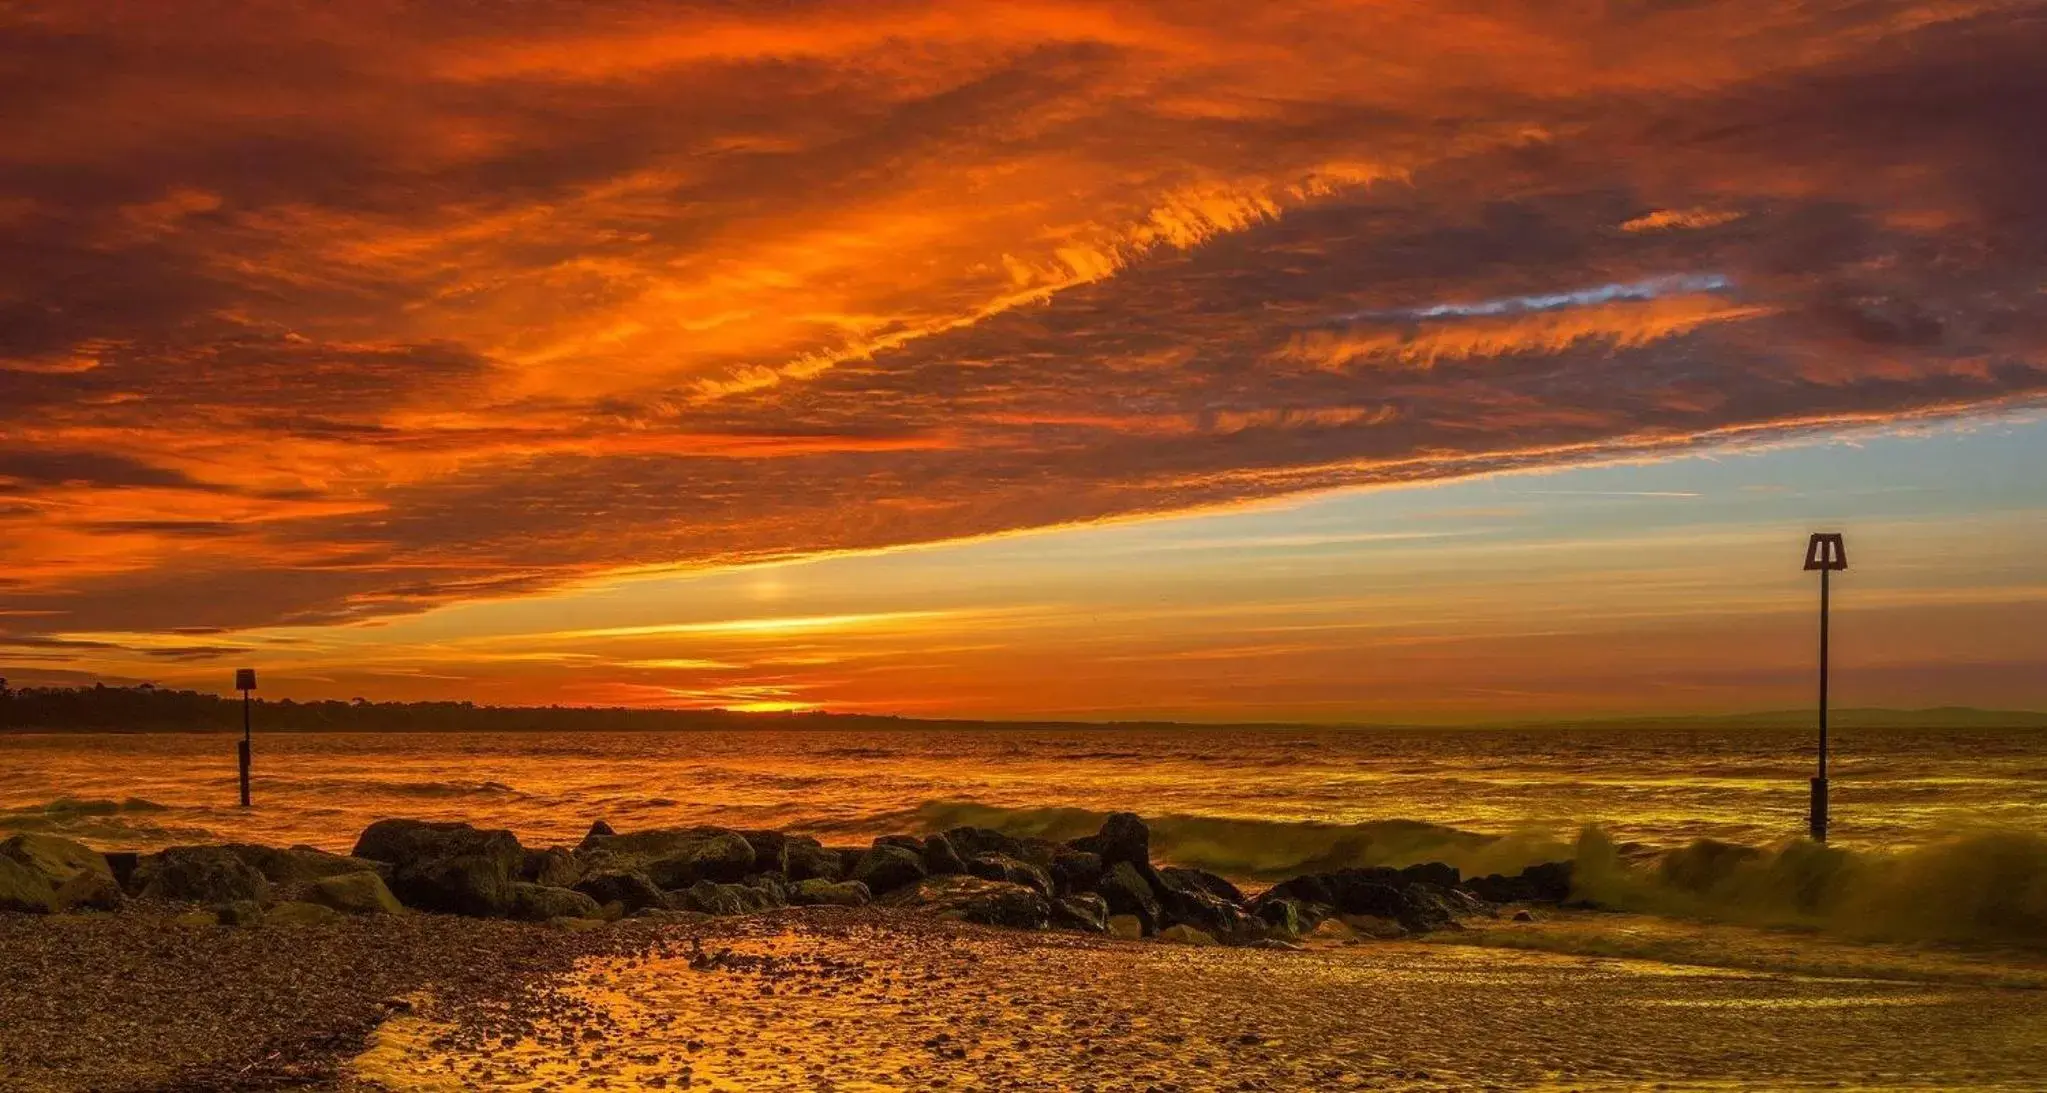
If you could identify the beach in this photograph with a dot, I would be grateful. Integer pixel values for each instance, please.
(821, 999)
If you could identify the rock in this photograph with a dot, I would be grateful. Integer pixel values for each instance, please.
(1082, 911)
(554, 867)
(630, 890)
(56, 859)
(1006, 868)
(940, 858)
(598, 829)
(199, 874)
(1373, 926)
(1181, 879)
(412, 842)
(297, 865)
(673, 857)
(907, 842)
(970, 842)
(884, 868)
(1436, 873)
(354, 894)
(1123, 838)
(1548, 882)
(447, 867)
(975, 899)
(1286, 918)
(712, 898)
(1127, 927)
(1333, 929)
(89, 891)
(849, 858)
(296, 913)
(24, 890)
(1075, 870)
(240, 912)
(845, 893)
(773, 887)
(713, 855)
(1200, 910)
(1128, 893)
(543, 902)
(1187, 935)
(806, 860)
(1524, 916)
(123, 863)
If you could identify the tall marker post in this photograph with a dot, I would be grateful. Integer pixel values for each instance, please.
(1826, 553)
(245, 681)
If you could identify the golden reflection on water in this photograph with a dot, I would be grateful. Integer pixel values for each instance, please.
(824, 1002)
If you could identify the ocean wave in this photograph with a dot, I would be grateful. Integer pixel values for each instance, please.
(1983, 886)
(82, 806)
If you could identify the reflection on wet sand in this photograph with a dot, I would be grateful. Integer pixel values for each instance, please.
(823, 1000)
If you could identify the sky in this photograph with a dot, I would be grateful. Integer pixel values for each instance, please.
(1366, 361)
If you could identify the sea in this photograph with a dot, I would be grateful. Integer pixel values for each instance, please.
(1249, 803)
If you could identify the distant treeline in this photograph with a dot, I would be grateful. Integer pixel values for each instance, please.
(147, 708)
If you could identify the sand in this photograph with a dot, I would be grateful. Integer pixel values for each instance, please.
(823, 999)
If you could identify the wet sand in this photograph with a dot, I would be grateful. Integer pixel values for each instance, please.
(824, 1001)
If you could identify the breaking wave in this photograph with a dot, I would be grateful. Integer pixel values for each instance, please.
(1985, 886)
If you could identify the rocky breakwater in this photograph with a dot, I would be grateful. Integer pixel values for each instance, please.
(1103, 883)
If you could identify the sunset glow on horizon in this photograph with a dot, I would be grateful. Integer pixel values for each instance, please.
(1300, 361)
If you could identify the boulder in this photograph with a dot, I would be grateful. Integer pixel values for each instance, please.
(598, 829)
(541, 902)
(767, 847)
(411, 842)
(940, 858)
(448, 867)
(1200, 910)
(703, 854)
(1127, 927)
(629, 890)
(885, 868)
(354, 894)
(473, 884)
(974, 899)
(553, 867)
(24, 890)
(123, 863)
(1187, 935)
(1006, 868)
(56, 859)
(298, 913)
(1075, 870)
(1436, 873)
(1084, 911)
(1123, 838)
(199, 874)
(804, 859)
(89, 891)
(240, 912)
(816, 891)
(969, 842)
(298, 864)
(1548, 882)
(1128, 893)
(1285, 918)
(907, 842)
(712, 898)
(1182, 879)
(773, 887)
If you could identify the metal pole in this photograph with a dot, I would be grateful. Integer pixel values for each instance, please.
(1819, 784)
(245, 749)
